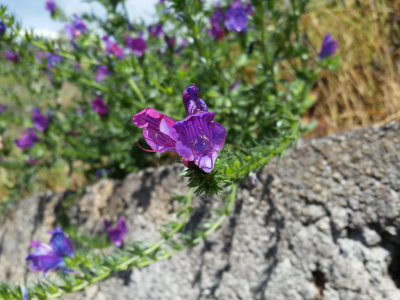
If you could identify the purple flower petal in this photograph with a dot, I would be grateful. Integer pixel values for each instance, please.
(3, 27)
(116, 234)
(101, 73)
(329, 47)
(28, 139)
(158, 129)
(39, 120)
(113, 49)
(53, 60)
(193, 104)
(99, 106)
(155, 30)
(137, 45)
(236, 17)
(10, 55)
(199, 139)
(60, 243)
(51, 6)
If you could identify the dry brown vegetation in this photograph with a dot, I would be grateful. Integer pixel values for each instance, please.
(365, 89)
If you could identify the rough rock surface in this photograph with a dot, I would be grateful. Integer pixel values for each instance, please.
(324, 223)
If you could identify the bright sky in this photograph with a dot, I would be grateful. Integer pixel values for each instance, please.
(32, 13)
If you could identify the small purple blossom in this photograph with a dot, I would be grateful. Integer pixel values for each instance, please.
(10, 55)
(329, 47)
(99, 106)
(53, 60)
(51, 256)
(137, 45)
(3, 27)
(192, 102)
(155, 30)
(236, 17)
(28, 139)
(101, 73)
(216, 20)
(101, 172)
(113, 49)
(39, 120)
(158, 130)
(77, 28)
(116, 235)
(170, 40)
(51, 6)
(235, 85)
(3, 107)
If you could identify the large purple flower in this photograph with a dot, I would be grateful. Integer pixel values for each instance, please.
(39, 120)
(192, 102)
(50, 256)
(116, 234)
(3, 27)
(51, 6)
(236, 17)
(101, 73)
(158, 130)
(155, 30)
(113, 48)
(10, 55)
(329, 47)
(99, 106)
(200, 139)
(28, 139)
(137, 45)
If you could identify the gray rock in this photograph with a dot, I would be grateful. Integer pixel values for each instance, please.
(323, 224)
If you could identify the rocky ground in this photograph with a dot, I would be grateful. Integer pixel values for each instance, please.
(322, 224)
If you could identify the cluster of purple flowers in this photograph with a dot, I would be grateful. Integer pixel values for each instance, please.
(29, 137)
(197, 138)
(234, 18)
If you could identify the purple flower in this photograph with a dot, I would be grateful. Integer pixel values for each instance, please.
(328, 47)
(53, 60)
(158, 130)
(79, 24)
(200, 139)
(39, 120)
(236, 17)
(50, 256)
(79, 111)
(116, 234)
(235, 85)
(197, 138)
(101, 73)
(216, 21)
(113, 48)
(137, 45)
(3, 27)
(3, 107)
(99, 106)
(155, 30)
(28, 139)
(51, 6)
(10, 55)
(192, 102)
(170, 40)
(77, 28)
(101, 172)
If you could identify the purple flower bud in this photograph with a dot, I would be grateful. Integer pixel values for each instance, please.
(329, 47)
(216, 21)
(3, 107)
(170, 40)
(158, 130)
(113, 49)
(39, 120)
(3, 27)
(10, 55)
(99, 106)
(116, 234)
(51, 6)
(200, 139)
(236, 17)
(137, 45)
(101, 73)
(46, 257)
(192, 102)
(28, 139)
(155, 30)
(53, 60)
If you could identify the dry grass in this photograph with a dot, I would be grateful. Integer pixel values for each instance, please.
(365, 89)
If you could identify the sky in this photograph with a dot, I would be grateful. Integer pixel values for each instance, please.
(32, 13)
